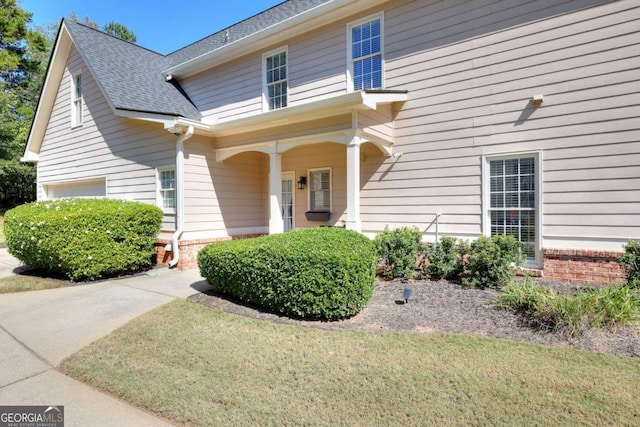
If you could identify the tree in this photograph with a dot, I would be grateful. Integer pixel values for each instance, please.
(118, 30)
(85, 21)
(113, 28)
(23, 59)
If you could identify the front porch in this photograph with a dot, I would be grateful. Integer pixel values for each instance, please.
(267, 171)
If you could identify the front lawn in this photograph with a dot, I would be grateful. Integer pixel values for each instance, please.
(20, 283)
(197, 366)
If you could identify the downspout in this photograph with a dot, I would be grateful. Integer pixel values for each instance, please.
(175, 249)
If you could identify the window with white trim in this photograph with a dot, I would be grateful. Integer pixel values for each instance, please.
(513, 205)
(76, 100)
(167, 189)
(320, 189)
(365, 54)
(275, 80)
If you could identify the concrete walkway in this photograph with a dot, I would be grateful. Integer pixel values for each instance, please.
(39, 329)
(8, 263)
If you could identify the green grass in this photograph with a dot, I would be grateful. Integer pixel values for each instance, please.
(197, 366)
(18, 283)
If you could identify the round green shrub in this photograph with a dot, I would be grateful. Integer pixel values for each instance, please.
(492, 261)
(83, 239)
(398, 250)
(316, 273)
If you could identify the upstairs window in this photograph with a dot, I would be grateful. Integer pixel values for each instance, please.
(76, 100)
(365, 62)
(167, 189)
(275, 74)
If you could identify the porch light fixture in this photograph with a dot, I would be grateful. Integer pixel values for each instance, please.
(302, 183)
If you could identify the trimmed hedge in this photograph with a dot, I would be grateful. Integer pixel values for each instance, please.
(492, 261)
(83, 239)
(398, 250)
(316, 273)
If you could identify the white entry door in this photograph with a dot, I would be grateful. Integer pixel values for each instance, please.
(288, 200)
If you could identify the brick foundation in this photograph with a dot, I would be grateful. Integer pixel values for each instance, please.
(189, 249)
(581, 266)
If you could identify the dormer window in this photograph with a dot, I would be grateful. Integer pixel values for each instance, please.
(365, 54)
(275, 80)
(76, 100)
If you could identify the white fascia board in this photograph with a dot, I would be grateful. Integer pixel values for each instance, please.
(291, 27)
(328, 107)
(54, 74)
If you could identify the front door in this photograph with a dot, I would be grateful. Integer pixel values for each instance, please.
(288, 194)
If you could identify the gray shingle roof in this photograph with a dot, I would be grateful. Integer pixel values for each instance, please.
(132, 77)
(244, 28)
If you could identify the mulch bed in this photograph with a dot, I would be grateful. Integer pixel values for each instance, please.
(443, 307)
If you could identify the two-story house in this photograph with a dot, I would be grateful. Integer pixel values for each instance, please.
(464, 118)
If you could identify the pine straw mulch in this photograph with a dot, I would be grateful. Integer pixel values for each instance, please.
(444, 307)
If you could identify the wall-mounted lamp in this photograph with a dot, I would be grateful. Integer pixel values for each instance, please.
(538, 100)
(302, 182)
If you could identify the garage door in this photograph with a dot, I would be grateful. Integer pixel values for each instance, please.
(93, 188)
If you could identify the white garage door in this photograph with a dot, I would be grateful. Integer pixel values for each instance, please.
(93, 188)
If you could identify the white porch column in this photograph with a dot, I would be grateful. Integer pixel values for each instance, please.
(353, 185)
(276, 225)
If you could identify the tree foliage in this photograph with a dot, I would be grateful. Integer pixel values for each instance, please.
(113, 28)
(23, 60)
(24, 54)
(118, 30)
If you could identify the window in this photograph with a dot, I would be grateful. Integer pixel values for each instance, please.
(365, 54)
(167, 189)
(76, 100)
(275, 74)
(320, 190)
(513, 190)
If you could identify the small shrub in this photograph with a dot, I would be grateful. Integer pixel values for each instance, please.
(398, 250)
(631, 263)
(83, 239)
(526, 297)
(446, 258)
(492, 260)
(573, 314)
(317, 273)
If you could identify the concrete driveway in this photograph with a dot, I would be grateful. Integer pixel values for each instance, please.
(8, 264)
(39, 329)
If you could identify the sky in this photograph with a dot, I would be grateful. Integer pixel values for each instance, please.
(160, 25)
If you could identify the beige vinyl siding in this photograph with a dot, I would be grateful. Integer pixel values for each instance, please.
(471, 69)
(378, 122)
(123, 151)
(224, 198)
(316, 70)
(317, 65)
(231, 90)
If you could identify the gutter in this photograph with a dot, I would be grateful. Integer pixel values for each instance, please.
(182, 137)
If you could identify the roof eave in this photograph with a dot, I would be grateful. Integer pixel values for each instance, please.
(49, 90)
(291, 27)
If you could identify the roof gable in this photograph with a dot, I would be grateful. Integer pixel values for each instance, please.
(129, 75)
